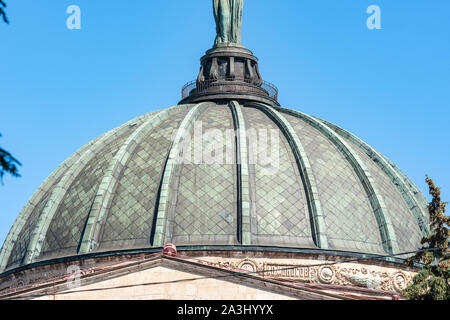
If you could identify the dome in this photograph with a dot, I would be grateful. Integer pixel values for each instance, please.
(324, 190)
(227, 190)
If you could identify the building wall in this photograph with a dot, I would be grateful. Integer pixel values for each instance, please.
(189, 290)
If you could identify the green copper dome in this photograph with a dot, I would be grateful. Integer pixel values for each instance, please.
(126, 190)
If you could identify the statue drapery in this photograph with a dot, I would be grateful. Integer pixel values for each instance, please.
(228, 16)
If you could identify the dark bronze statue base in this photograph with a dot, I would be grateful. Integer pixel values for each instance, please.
(229, 73)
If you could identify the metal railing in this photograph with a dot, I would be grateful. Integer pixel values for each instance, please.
(191, 88)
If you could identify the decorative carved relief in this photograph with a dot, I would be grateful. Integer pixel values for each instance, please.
(214, 71)
(248, 265)
(400, 281)
(327, 274)
(371, 277)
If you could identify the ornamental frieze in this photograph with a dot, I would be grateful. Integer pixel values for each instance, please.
(378, 277)
(372, 277)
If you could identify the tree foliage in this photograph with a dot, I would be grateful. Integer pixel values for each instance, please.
(8, 164)
(432, 282)
(2, 11)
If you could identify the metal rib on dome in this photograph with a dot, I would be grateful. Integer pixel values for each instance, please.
(376, 200)
(304, 167)
(244, 231)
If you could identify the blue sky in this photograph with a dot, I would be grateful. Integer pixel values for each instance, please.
(61, 88)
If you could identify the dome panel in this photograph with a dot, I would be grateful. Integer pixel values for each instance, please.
(23, 240)
(206, 203)
(419, 197)
(280, 214)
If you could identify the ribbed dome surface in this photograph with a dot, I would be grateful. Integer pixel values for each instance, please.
(125, 190)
